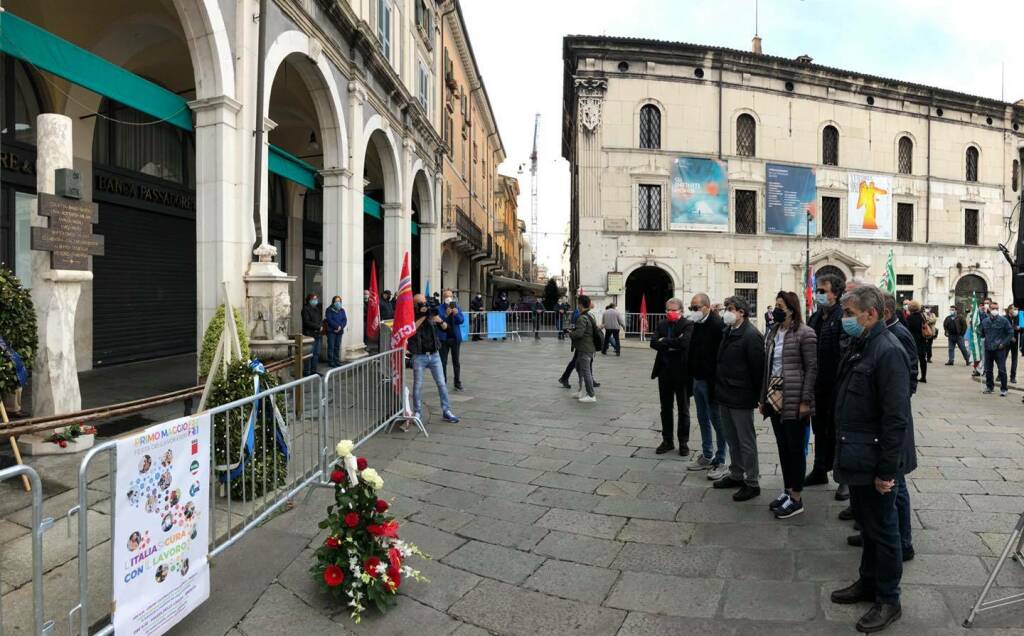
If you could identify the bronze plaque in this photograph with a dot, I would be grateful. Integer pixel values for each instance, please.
(69, 238)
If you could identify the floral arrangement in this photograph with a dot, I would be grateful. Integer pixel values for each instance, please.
(17, 327)
(362, 560)
(70, 434)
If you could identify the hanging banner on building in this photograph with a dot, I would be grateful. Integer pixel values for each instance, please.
(791, 200)
(700, 195)
(161, 529)
(869, 213)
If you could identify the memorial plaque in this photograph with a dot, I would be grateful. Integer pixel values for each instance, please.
(69, 238)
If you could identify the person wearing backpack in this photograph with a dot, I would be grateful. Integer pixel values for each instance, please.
(585, 337)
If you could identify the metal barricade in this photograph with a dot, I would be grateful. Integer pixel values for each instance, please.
(40, 525)
(635, 327)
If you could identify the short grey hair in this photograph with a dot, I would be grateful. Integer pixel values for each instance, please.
(738, 303)
(703, 299)
(674, 301)
(865, 298)
(889, 302)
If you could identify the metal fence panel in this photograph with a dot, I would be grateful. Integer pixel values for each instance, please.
(39, 526)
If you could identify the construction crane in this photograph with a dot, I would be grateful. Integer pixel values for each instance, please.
(533, 186)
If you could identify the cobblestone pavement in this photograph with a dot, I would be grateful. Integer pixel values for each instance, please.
(546, 516)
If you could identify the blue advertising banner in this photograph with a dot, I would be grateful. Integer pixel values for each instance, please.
(700, 195)
(791, 196)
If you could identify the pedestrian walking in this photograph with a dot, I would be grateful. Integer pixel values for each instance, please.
(672, 342)
(787, 396)
(451, 336)
(337, 320)
(998, 335)
(955, 328)
(827, 323)
(1011, 317)
(917, 325)
(872, 415)
(584, 339)
(740, 365)
(563, 316)
(613, 325)
(424, 346)
(702, 361)
(312, 326)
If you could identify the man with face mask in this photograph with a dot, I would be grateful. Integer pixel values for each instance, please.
(954, 327)
(337, 320)
(1011, 317)
(827, 323)
(672, 342)
(998, 335)
(387, 306)
(476, 307)
(451, 335)
(312, 324)
(702, 362)
(424, 347)
(872, 416)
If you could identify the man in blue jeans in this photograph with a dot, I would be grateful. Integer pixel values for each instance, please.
(998, 335)
(425, 348)
(703, 364)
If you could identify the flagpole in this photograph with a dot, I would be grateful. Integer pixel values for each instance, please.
(807, 254)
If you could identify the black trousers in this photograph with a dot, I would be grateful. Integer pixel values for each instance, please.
(922, 361)
(569, 368)
(824, 426)
(674, 391)
(928, 347)
(881, 561)
(611, 337)
(789, 437)
(452, 347)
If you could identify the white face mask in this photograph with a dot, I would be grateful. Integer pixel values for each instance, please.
(447, 299)
(694, 316)
(730, 318)
(994, 312)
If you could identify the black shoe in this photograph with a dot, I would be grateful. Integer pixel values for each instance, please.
(842, 492)
(855, 593)
(458, 386)
(746, 493)
(923, 381)
(908, 554)
(619, 353)
(663, 448)
(727, 482)
(975, 373)
(855, 540)
(596, 384)
(604, 353)
(948, 364)
(846, 514)
(565, 383)
(856, 527)
(880, 616)
(816, 478)
(684, 449)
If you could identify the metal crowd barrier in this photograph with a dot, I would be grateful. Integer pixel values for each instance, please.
(40, 525)
(312, 414)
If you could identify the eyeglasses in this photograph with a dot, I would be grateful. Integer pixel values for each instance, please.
(694, 308)
(820, 291)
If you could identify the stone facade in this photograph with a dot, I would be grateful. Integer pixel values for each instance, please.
(700, 93)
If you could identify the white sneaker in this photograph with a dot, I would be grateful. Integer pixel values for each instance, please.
(581, 394)
(699, 463)
(588, 398)
(717, 472)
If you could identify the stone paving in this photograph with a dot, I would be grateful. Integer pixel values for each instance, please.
(546, 516)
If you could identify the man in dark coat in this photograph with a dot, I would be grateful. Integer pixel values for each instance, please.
(476, 306)
(827, 325)
(312, 324)
(672, 342)
(955, 327)
(872, 416)
(702, 360)
(387, 306)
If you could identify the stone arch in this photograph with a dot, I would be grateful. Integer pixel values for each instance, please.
(380, 135)
(967, 283)
(420, 185)
(963, 165)
(209, 47)
(662, 119)
(896, 150)
(464, 278)
(653, 279)
(449, 268)
(734, 120)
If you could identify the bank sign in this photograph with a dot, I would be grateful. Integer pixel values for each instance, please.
(790, 202)
(700, 195)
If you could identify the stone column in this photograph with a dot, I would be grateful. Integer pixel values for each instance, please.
(396, 228)
(590, 95)
(430, 248)
(336, 192)
(349, 236)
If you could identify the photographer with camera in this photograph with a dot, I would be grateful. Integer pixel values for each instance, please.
(424, 346)
(451, 335)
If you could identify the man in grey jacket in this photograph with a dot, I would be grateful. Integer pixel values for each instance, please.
(583, 341)
(612, 321)
(998, 335)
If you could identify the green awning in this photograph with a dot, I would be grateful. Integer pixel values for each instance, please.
(372, 208)
(287, 165)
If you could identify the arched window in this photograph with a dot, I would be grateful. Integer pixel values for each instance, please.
(746, 135)
(906, 155)
(971, 160)
(830, 146)
(650, 127)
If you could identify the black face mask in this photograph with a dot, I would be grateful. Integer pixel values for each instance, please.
(421, 307)
(779, 314)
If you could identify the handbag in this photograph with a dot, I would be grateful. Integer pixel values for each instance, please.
(773, 396)
(859, 452)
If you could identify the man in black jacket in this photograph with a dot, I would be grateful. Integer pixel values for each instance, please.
(387, 306)
(425, 347)
(827, 325)
(702, 361)
(955, 327)
(872, 417)
(312, 323)
(476, 306)
(737, 388)
(672, 342)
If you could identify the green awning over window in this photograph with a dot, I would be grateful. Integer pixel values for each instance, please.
(290, 167)
(372, 208)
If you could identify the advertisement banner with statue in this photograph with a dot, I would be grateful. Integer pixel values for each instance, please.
(869, 207)
(791, 200)
(700, 195)
(161, 525)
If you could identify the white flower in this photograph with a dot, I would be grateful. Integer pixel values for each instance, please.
(344, 448)
(371, 477)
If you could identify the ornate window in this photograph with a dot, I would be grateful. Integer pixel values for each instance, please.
(971, 159)
(649, 208)
(830, 217)
(746, 212)
(650, 127)
(970, 227)
(746, 135)
(905, 222)
(830, 146)
(906, 155)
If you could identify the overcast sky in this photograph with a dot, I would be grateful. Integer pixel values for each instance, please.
(954, 44)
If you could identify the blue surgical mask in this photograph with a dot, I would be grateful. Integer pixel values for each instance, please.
(821, 299)
(852, 327)
(314, 302)
(337, 305)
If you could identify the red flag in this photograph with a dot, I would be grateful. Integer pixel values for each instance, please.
(404, 326)
(643, 315)
(373, 305)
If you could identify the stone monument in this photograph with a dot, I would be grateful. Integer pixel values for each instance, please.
(268, 306)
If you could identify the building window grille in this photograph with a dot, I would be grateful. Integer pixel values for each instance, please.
(745, 278)
(649, 208)
(650, 127)
(972, 164)
(970, 227)
(746, 135)
(906, 155)
(905, 222)
(830, 217)
(905, 280)
(830, 146)
(748, 294)
(746, 212)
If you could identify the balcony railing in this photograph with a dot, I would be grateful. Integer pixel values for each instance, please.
(467, 229)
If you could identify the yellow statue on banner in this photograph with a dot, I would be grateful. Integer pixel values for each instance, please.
(866, 200)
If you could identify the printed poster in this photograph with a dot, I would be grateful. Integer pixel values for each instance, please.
(869, 213)
(161, 531)
(700, 195)
(791, 199)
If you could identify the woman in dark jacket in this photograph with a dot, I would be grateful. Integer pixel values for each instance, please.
(312, 323)
(787, 396)
(337, 320)
(916, 321)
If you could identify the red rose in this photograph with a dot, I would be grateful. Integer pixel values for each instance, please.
(361, 463)
(370, 567)
(394, 579)
(352, 519)
(337, 476)
(332, 542)
(333, 575)
(381, 505)
(375, 530)
(395, 558)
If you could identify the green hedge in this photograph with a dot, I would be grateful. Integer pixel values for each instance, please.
(212, 337)
(17, 327)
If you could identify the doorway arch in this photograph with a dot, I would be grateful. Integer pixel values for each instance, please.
(650, 281)
(968, 286)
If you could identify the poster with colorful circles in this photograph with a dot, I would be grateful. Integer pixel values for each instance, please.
(161, 525)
